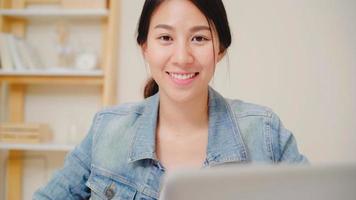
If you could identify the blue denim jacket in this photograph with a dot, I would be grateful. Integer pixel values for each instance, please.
(117, 158)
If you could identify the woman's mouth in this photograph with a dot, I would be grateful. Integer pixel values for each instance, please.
(182, 78)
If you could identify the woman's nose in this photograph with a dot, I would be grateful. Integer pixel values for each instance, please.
(182, 54)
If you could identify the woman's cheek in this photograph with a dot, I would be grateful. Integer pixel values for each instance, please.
(159, 54)
(155, 58)
(205, 57)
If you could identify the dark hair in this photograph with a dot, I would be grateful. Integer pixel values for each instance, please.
(213, 10)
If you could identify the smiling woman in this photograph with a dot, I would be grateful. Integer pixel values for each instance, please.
(182, 123)
(182, 51)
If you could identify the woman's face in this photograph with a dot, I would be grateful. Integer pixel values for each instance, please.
(180, 51)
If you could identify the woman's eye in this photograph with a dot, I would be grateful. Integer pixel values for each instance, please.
(165, 38)
(199, 39)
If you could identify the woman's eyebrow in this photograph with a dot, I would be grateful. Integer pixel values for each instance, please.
(199, 28)
(193, 29)
(164, 26)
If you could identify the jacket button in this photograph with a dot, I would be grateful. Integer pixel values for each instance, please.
(109, 193)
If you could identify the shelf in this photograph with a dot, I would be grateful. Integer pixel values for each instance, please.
(40, 13)
(52, 72)
(36, 147)
(34, 19)
(68, 77)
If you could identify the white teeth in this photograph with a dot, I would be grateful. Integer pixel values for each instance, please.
(181, 76)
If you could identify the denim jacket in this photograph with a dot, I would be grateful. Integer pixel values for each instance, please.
(117, 159)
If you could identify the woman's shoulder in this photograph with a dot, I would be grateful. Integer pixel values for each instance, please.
(147, 105)
(124, 114)
(261, 125)
(244, 109)
(261, 116)
(123, 109)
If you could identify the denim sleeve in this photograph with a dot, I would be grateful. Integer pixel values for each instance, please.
(284, 144)
(69, 182)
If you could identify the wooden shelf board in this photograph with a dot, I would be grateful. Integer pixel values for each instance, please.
(54, 13)
(65, 80)
(50, 77)
(52, 72)
(36, 147)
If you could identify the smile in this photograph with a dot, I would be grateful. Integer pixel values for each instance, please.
(182, 76)
(182, 79)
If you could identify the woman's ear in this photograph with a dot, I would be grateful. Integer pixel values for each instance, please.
(144, 49)
(221, 55)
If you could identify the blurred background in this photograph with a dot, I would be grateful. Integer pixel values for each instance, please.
(296, 57)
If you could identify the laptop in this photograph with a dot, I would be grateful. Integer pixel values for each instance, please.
(249, 182)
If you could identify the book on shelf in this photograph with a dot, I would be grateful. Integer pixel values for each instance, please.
(24, 132)
(28, 55)
(17, 54)
(5, 56)
(14, 52)
(3, 101)
(79, 4)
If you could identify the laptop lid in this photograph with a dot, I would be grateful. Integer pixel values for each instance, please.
(248, 182)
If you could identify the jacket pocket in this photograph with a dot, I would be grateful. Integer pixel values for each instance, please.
(102, 186)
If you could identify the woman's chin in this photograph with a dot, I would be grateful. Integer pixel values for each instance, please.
(182, 95)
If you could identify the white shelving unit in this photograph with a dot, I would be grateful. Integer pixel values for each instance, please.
(24, 19)
(38, 13)
(53, 72)
(36, 147)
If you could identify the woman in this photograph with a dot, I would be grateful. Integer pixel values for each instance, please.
(183, 123)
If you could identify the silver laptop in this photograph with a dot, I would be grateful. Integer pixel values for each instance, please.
(331, 182)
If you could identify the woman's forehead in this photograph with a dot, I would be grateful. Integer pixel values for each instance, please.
(178, 12)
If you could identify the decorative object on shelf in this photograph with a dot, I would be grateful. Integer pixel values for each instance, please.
(86, 61)
(84, 4)
(76, 130)
(64, 49)
(25, 132)
(74, 134)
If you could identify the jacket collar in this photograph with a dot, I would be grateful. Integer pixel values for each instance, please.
(143, 144)
(225, 142)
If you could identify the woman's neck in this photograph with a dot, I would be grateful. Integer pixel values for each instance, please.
(183, 117)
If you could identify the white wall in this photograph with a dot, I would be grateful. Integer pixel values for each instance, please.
(297, 57)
